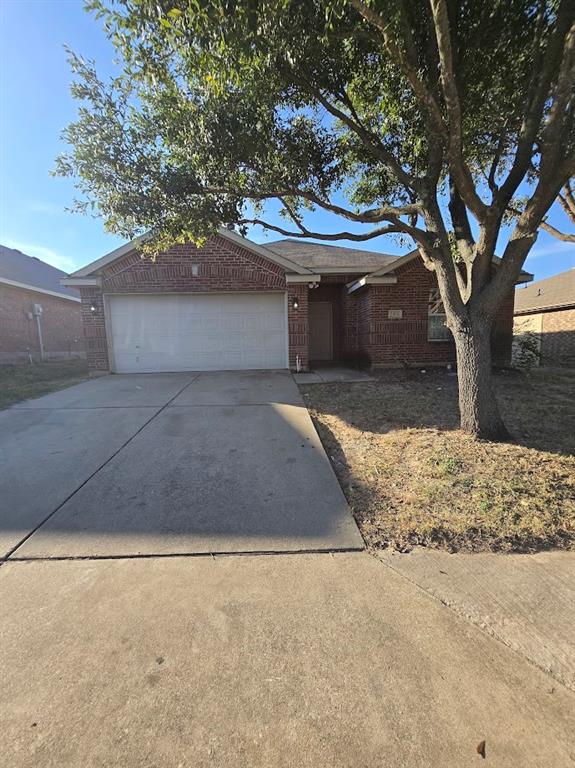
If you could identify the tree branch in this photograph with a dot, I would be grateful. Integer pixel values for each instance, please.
(522, 238)
(457, 164)
(306, 233)
(567, 200)
(495, 162)
(368, 140)
(553, 132)
(292, 214)
(397, 55)
(564, 236)
(543, 76)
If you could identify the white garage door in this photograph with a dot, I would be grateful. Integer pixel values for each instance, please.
(208, 332)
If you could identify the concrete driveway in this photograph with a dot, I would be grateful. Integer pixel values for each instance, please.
(168, 464)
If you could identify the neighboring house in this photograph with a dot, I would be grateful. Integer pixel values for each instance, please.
(547, 309)
(233, 304)
(39, 318)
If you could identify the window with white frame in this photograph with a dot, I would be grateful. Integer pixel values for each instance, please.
(437, 329)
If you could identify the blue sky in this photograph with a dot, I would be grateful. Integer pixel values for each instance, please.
(35, 105)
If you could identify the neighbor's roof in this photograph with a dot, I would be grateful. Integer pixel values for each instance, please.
(320, 257)
(555, 292)
(16, 268)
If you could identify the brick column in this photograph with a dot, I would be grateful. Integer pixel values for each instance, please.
(298, 325)
(94, 323)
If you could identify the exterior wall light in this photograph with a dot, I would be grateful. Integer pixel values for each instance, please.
(92, 308)
(295, 302)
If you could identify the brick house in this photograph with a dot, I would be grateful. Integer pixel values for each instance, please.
(39, 318)
(547, 309)
(233, 304)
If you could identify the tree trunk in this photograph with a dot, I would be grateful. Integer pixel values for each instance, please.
(477, 404)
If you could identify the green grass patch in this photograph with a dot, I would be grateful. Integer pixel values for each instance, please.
(25, 381)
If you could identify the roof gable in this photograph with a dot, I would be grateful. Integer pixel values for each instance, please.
(217, 262)
(238, 240)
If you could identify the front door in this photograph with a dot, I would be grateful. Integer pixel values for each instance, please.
(320, 331)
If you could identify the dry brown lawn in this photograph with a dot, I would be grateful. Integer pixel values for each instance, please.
(411, 477)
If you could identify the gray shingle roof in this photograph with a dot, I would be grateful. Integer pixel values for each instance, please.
(321, 256)
(553, 292)
(17, 266)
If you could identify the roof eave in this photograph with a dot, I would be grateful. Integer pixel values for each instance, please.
(78, 282)
(524, 277)
(538, 310)
(37, 289)
(355, 285)
(351, 270)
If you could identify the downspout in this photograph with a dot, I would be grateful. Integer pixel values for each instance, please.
(37, 314)
(40, 339)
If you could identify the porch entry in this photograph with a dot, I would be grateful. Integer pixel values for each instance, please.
(320, 331)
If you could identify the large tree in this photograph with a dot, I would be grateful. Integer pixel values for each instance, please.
(425, 119)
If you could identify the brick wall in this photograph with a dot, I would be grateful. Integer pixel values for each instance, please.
(298, 325)
(60, 321)
(558, 338)
(555, 332)
(221, 266)
(94, 322)
(387, 342)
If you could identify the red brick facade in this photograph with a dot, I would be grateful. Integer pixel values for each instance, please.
(61, 326)
(388, 342)
(94, 322)
(221, 266)
(298, 326)
(362, 330)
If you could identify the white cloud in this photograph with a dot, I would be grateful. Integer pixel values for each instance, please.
(65, 263)
(552, 249)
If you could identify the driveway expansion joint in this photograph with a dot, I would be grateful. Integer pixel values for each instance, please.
(213, 555)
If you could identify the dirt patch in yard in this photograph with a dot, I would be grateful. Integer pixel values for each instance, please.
(411, 477)
(26, 380)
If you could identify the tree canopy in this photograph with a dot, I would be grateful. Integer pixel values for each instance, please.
(223, 102)
(383, 112)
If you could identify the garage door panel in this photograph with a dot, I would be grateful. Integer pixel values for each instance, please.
(206, 332)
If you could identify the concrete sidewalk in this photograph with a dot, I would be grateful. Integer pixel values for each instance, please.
(269, 661)
(525, 601)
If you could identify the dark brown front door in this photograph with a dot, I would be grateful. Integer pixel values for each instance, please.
(320, 331)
